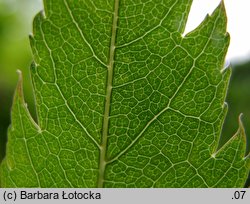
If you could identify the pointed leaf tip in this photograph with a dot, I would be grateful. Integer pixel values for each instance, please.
(241, 129)
(241, 133)
(19, 87)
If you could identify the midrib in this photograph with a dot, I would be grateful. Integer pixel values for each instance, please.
(103, 149)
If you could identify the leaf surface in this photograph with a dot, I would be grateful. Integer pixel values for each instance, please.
(124, 100)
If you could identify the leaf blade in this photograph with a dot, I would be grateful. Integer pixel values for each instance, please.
(124, 100)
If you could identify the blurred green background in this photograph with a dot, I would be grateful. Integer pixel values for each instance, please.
(15, 25)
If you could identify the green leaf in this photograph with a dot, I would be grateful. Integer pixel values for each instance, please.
(124, 100)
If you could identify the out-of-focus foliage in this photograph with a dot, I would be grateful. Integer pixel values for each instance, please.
(238, 99)
(15, 25)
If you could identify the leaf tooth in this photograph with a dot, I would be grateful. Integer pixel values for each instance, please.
(227, 72)
(19, 88)
(218, 13)
(46, 8)
(233, 152)
(37, 21)
(242, 133)
(239, 137)
(226, 68)
(19, 96)
(244, 138)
